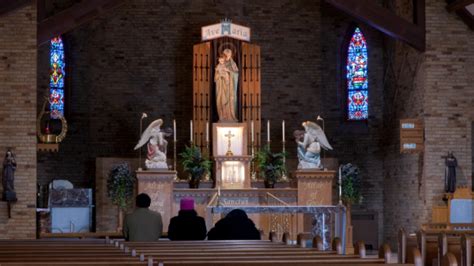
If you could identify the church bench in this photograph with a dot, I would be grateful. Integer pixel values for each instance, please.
(460, 248)
(293, 262)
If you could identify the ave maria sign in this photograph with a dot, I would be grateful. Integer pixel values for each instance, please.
(225, 28)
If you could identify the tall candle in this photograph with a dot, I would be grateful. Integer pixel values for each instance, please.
(207, 131)
(252, 130)
(340, 184)
(174, 130)
(283, 130)
(268, 130)
(191, 131)
(219, 191)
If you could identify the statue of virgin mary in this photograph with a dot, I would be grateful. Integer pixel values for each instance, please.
(226, 79)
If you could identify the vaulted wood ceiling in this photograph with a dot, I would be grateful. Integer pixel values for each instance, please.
(464, 9)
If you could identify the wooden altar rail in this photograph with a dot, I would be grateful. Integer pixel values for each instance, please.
(436, 246)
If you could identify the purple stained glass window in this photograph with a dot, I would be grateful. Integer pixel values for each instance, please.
(357, 79)
(56, 78)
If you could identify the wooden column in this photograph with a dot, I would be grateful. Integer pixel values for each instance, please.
(201, 92)
(250, 92)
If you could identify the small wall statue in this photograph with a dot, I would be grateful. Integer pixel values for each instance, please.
(310, 141)
(8, 177)
(157, 145)
(450, 173)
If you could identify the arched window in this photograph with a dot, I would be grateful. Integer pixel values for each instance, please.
(357, 79)
(56, 78)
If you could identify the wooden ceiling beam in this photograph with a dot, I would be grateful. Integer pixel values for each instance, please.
(73, 17)
(458, 4)
(385, 20)
(7, 6)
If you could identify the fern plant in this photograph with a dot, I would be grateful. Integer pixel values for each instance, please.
(351, 184)
(271, 166)
(195, 163)
(120, 183)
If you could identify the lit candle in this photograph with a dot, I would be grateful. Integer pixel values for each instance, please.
(252, 130)
(191, 131)
(207, 131)
(268, 130)
(174, 130)
(283, 130)
(219, 191)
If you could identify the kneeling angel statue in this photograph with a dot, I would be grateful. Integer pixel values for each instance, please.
(310, 143)
(157, 145)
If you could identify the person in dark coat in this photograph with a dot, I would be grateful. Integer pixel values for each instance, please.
(235, 226)
(187, 225)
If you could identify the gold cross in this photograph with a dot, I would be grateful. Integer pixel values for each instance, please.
(229, 137)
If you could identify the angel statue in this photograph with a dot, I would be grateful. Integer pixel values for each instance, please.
(157, 145)
(310, 143)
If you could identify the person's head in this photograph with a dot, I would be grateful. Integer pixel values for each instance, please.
(221, 60)
(227, 53)
(186, 204)
(237, 214)
(143, 200)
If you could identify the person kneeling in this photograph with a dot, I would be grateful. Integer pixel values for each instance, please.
(187, 225)
(143, 224)
(235, 226)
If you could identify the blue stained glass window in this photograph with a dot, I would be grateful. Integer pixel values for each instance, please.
(56, 80)
(357, 79)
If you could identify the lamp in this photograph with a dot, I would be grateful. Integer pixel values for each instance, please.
(144, 115)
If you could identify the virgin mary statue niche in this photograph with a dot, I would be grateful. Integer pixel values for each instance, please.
(226, 78)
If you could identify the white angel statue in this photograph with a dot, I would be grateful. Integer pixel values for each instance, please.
(157, 145)
(309, 145)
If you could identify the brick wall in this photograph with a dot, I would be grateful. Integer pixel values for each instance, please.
(18, 117)
(138, 58)
(353, 142)
(435, 86)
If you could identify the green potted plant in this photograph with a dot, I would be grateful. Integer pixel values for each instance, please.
(271, 166)
(196, 164)
(351, 185)
(120, 182)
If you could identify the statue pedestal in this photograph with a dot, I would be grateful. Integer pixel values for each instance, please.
(314, 189)
(158, 184)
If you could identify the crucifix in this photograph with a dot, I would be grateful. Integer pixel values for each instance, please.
(229, 137)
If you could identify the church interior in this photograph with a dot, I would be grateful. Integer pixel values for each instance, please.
(339, 126)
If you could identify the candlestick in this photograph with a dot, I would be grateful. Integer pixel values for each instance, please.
(218, 191)
(174, 130)
(340, 185)
(175, 159)
(144, 115)
(252, 130)
(191, 131)
(268, 130)
(283, 130)
(207, 131)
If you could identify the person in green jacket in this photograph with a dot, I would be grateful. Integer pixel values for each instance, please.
(142, 224)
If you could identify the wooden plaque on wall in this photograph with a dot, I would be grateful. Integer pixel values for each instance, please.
(411, 136)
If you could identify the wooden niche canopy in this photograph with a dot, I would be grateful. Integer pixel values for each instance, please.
(247, 58)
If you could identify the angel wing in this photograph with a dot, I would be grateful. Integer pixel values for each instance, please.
(147, 134)
(317, 132)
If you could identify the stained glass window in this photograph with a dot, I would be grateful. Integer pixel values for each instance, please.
(56, 78)
(357, 79)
